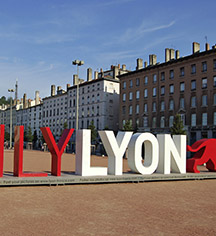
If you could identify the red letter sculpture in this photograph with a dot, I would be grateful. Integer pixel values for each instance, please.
(204, 153)
(18, 155)
(1, 149)
(56, 150)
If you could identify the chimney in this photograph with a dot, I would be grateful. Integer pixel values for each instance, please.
(196, 47)
(207, 46)
(95, 75)
(119, 66)
(89, 74)
(59, 88)
(145, 64)
(152, 59)
(177, 54)
(139, 64)
(75, 79)
(29, 102)
(36, 97)
(101, 70)
(53, 90)
(111, 67)
(172, 54)
(167, 54)
(25, 105)
(115, 72)
(68, 86)
(123, 67)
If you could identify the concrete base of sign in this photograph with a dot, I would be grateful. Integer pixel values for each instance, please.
(69, 179)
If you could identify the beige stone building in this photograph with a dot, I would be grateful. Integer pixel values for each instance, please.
(98, 99)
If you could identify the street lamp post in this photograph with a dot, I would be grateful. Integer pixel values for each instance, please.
(11, 91)
(77, 63)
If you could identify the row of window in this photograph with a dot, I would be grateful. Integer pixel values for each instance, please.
(171, 119)
(84, 125)
(89, 112)
(88, 89)
(51, 122)
(72, 103)
(162, 89)
(171, 74)
(54, 112)
(58, 104)
(57, 101)
(171, 105)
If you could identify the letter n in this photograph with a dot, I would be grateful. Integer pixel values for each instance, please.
(172, 153)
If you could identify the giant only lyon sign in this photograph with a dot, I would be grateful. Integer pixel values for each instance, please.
(163, 154)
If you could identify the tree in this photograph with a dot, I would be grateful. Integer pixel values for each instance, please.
(178, 127)
(106, 127)
(64, 127)
(93, 131)
(25, 136)
(127, 126)
(29, 136)
(7, 136)
(35, 138)
(5, 101)
(42, 139)
(9, 100)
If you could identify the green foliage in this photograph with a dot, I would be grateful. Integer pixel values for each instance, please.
(5, 101)
(29, 136)
(65, 126)
(178, 127)
(42, 139)
(7, 136)
(35, 137)
(25, 136)
(106, 127)
(93, 131)
(128, 126)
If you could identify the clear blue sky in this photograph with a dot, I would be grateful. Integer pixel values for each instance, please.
(40, 38)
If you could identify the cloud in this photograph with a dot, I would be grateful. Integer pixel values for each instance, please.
(118, 55)
(38, 76)
(134, 34)
(115, 2)
(2, 58)
(47, 39)
(40, 38)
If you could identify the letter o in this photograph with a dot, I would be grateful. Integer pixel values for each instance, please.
(151, 153)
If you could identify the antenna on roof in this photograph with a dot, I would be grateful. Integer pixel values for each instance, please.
(206, 38)
(16, 91)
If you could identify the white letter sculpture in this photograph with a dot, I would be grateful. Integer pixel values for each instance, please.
(172, 154)
(115, 148)
(83, 145)
(135, 154)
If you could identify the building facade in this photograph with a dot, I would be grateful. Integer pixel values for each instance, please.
(54, 111)
(30, 117)
(98, 100)
(5, 117)
(151, 95)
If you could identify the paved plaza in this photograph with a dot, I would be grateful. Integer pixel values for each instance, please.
(152, 208)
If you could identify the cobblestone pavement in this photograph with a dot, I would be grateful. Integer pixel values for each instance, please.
(153, 208)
